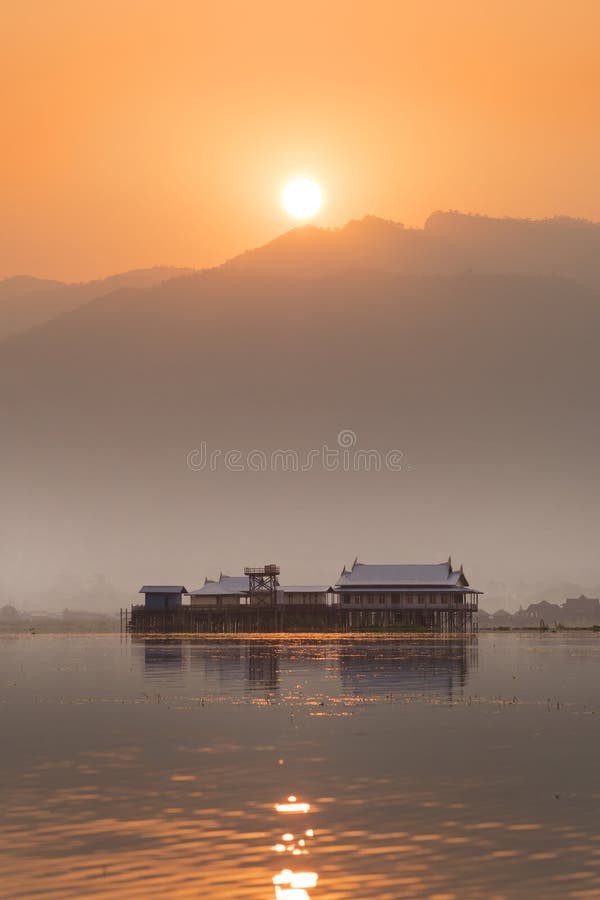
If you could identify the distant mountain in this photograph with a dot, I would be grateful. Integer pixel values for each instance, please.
(486, 381)
(567, 248)
(26, 301)
(309, 251)
(450, 243)
(19, 285)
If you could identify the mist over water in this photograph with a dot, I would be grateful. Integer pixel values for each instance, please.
(431, 767)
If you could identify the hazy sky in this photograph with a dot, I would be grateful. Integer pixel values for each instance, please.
(139, 132)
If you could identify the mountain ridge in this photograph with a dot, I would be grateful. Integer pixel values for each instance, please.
(26, 301)
(450, 242)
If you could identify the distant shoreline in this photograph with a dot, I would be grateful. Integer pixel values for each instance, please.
(16, 630)
(50, 626)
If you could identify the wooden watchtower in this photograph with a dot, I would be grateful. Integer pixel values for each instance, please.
(262, 585)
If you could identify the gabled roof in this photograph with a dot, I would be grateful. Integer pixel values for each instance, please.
(227, 584)
(427, 574)
(163, 589)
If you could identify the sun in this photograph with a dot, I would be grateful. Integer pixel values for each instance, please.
(302, 198)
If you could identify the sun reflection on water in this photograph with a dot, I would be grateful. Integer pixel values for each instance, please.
(157, 781)
(291, 885)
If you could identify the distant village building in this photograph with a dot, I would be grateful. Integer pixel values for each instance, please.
(161, 597)
(582, 607)
(542, 612)
(576, 612)
(418, 587)
(8, 613)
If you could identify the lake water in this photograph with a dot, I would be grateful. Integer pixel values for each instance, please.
(437, 768)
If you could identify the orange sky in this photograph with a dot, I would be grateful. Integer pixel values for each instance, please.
(142, 132)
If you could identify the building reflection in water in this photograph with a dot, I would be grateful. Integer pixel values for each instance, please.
(221, 663)
(290, 883)
(435, 666)
(406, 665)
(163, 656)
(253, 664)
(263, 666)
